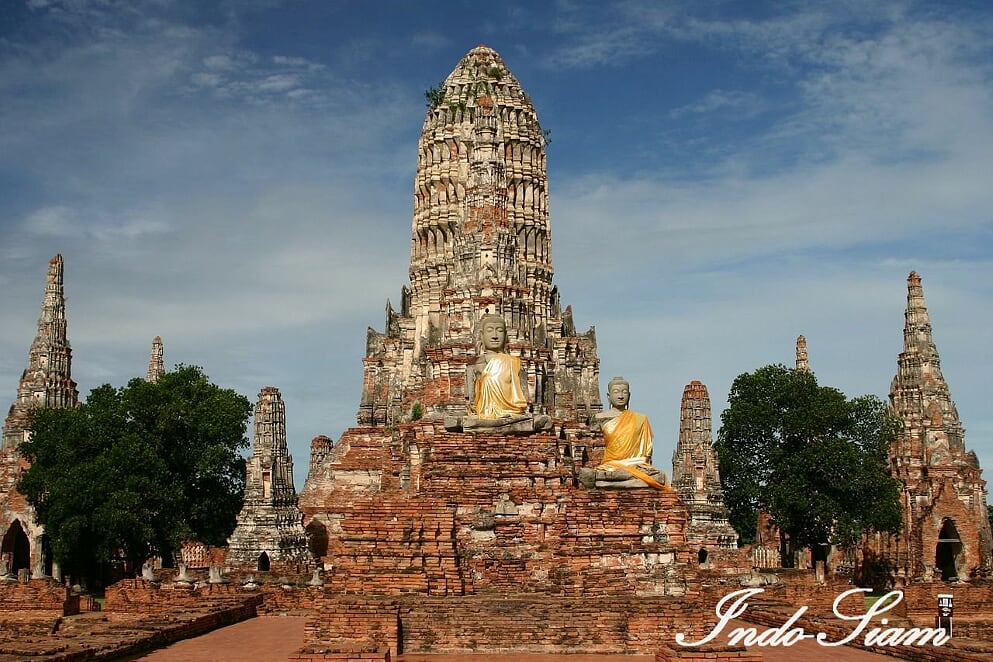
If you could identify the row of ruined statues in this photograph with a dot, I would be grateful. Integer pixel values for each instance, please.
(497, 401)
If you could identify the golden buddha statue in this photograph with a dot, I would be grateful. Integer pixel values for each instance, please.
(627, 457)
(494, 382)
(496, 387)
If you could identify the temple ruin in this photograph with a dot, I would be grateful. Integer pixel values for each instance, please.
(946, 532)
(156, 362)
(453, 540)
(427, 535)
(696, 475)
(481, 244)
(269, 534)
(46, 382)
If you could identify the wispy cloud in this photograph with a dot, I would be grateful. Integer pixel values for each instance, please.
(722, 179)
(743, 104)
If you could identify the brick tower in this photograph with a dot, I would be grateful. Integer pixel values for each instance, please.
(481, 244)
(269, 533)
(446, 541)
(802, 361)
(946, 528)
(156, 363)
(47, 381)
(695, 474)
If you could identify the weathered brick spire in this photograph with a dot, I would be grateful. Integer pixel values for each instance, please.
(944, 493)
(156, 364)
(919, 393)
(695, 473)
(801, 354)
(269, 522)
(481, 244)
(47, 381)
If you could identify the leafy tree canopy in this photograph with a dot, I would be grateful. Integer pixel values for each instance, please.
(136, 470)
(814, 459)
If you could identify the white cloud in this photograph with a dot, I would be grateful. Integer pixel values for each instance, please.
(278, 83)
(429, 40)
(219, 62)
(58, 221)
(745, 105)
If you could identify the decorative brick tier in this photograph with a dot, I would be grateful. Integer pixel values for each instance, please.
(418, 510)
(449, 542)
(523, 623)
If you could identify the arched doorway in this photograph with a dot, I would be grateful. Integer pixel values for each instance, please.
(948, 553)
(16, 548)
(263, 562)
(317, 538)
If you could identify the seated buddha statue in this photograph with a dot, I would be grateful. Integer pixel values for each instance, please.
(627, 456)
(496, 387)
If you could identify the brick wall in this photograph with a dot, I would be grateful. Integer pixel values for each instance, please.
(140, 596)
(442, 513)
(972, 598)
(707, 654)
(37, 595)
(800, 587)
(519, 623)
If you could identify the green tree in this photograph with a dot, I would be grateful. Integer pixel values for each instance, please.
(134, 471)
(814, 459)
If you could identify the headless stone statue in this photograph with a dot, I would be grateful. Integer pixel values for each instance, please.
(627, 458)
(495, 387)
(148, 572)
(184, 577)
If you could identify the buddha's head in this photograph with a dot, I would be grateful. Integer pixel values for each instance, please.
(618, 393)
(493, 333)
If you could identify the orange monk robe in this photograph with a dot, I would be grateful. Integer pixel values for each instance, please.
(628, 437)
(498, 388)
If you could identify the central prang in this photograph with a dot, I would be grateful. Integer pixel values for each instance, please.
(496, 387)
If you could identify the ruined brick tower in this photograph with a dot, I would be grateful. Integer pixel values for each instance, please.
(481, 244)
(270, 532)
(695, 474)
(156, 364)
(435, 540)
(47, 381)
(802, 361)
(946, 528)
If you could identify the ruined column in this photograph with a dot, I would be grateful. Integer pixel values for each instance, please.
(156, 364)
(696, 475)
(801, 354)
(269, 533)
(47, 381)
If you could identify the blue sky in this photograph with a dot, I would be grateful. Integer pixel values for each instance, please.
(237, 177)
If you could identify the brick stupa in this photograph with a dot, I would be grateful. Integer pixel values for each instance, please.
(46, 382)
(946, 532)
(269, 534)
(156, 362)
(481, 244)
(451, 542)
(696, 475)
